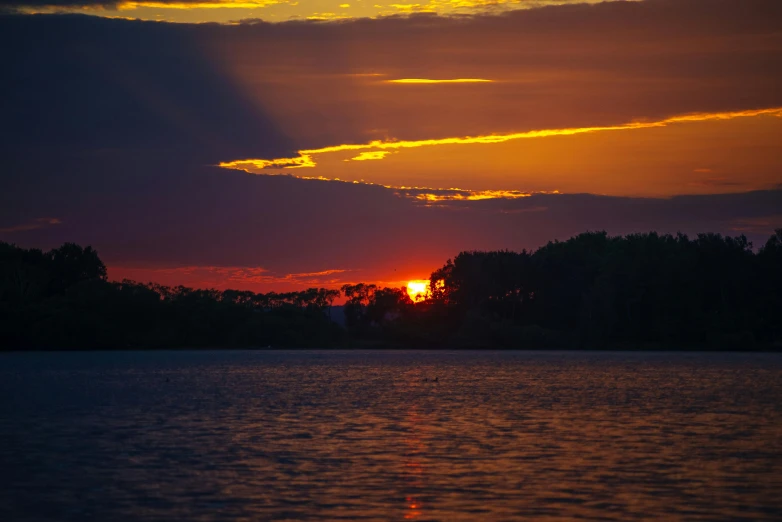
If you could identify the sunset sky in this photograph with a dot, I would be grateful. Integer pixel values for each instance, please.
(278, 145)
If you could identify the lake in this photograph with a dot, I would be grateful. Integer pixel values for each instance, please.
(370, 435)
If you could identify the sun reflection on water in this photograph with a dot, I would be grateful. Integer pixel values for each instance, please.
(381, 435)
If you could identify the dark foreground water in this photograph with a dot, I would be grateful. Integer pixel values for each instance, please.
(320, 435)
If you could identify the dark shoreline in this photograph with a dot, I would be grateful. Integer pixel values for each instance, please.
(639, 292)
(618, 349)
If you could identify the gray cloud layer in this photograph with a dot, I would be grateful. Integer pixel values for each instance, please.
(138, 214)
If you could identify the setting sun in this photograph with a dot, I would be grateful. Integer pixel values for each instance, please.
(418, 289)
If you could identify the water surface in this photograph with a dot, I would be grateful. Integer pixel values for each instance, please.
(360, 435)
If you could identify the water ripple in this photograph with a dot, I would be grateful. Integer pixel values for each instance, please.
(368, 435)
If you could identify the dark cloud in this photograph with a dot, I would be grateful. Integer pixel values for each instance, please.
(86, 84)
(203, 216)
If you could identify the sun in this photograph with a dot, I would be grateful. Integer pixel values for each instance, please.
(418, 289)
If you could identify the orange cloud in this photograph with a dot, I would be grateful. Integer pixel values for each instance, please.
(225, 4)
(760, 225)
(469, 195)
(306, 157)
(368, 156)
(426, 81)
(35, 225)
(224, 277)
(268, 10)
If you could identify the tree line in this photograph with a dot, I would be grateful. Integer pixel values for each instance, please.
(634, 291)
(62, 300)
(592, 291)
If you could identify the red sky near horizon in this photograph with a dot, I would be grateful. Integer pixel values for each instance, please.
(322, 143)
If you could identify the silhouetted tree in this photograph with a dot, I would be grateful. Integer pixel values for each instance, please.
(71, 264)
(591, 291)
(24, 274)
(388, 304)
(357, 298)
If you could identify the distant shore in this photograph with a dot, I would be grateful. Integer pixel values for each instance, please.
(640, 292)
(357, 347)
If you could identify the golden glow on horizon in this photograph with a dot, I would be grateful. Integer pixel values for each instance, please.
(426, 81)
(418, 289)
(306, 157)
